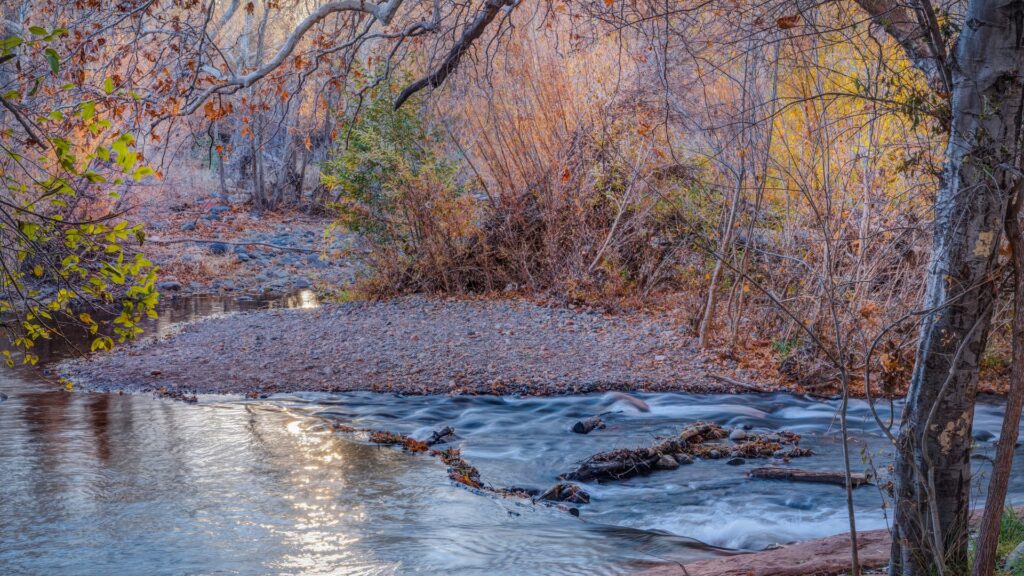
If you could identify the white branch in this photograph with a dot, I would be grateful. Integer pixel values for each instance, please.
(381, 12)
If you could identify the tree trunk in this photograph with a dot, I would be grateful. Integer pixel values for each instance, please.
(709, 306)
(988, 537)
(933, 459)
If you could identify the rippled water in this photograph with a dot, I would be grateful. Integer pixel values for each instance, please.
(132, 484)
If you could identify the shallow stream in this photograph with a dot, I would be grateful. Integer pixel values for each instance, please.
(96, 483)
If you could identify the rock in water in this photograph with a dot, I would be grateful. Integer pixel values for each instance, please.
(588, 425)
(666, 462)
(736, 462)
(565, 492)
(737, 435)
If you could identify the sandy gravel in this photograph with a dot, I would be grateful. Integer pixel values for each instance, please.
(824, 556)
(411, 345)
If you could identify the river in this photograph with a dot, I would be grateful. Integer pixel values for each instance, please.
(96, 483)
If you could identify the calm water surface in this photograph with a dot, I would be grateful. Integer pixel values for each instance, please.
(132, 484)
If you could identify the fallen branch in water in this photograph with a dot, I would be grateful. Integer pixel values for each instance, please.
(696, 440)
(812, 476)
(461, 471)
(438, 436)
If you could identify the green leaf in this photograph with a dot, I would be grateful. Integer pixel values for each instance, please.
(38, 31)
(53, 58)
(108, 86)
(10, 42)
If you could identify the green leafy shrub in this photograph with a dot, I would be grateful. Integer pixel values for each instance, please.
(394, 185)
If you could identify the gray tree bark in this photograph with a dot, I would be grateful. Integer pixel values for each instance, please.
(933, 459)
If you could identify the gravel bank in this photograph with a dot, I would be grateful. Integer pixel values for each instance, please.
(411, 345)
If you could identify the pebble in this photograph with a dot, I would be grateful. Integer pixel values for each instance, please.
(188, 226)
(218, 248)
(168, 285)
(736, 462)
(737, 435)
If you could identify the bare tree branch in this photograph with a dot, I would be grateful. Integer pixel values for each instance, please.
(472, 31)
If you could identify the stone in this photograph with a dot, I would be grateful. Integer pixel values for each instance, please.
(219, 209)
(218, 248)
(684, 459)
(301, 283)
(169, 285)
(188, 226)
(666, 462)
(736, 462)
(242, 198)
(737, 435)
(1015, 560)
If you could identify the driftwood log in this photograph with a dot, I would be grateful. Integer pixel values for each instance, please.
(813, 476)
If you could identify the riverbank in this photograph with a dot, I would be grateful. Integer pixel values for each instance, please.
(821, 557)
(415, 345)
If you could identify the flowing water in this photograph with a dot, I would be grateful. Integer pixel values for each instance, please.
(131, 484)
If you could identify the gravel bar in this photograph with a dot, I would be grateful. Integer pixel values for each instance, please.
(411, 345)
